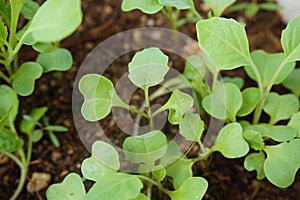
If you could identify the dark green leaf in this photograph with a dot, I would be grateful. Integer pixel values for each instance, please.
(9, 141)
(29, 9)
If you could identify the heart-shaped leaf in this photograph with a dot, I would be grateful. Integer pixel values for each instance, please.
(104, 160)
(147, 6)
(115, 186)
(280, 107)
(192, 188)
(9, 101)
(55, 20)
(282, 163)
(267, 64)
(292, 82)
(180, 170)
(224, 41)
(100, 96)
(290, 41)
(294, 122)
(148, 68)
(36, 114)
(218, 6)
(177, 105)
(145, 148)
(230, 142)
(191, 127)
(179, 4)
(251, 97)
(23, 80)
(224, 103)
(255, 161)
(71, 188)
(58, 59)
(9, 141)
(254, 139)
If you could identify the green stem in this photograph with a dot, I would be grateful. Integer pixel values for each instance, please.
(153, 182)
(137, 111)
(196, 13)
(148, 108)
(4, 77)
(13, 54)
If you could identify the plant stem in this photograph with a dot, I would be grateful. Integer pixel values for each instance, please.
(153, 182)
(4, 77)
(137, 111)
(148, 108)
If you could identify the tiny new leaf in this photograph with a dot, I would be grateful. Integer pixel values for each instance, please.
(218, 6)
(251, 97)
(254, 139)
(255, 161)
(36, 114)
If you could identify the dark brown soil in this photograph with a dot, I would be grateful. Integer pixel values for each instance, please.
(102, 19)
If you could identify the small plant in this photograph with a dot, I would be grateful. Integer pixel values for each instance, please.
(272, 150)
(47, 25)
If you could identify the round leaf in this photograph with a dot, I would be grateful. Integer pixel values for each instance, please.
(147, 6)
(191, 127)
(251, 97)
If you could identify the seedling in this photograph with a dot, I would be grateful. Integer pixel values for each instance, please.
(47, 25)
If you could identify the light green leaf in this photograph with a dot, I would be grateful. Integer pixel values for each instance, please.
(218, 6)
(292, 82)
(140, 197)
(192, 188)
(194, 68)
(24, 79)
(179, 4)
(100, 96)
(71, 188)
(146, 6)
(55, 20)
(251, 9)
(57, 59)
(280, 107)
(29, 9)
(56, 128)
(180, 170)
(114, 186)
(224, 41)
(224, 103)
(267, 64)
(238, 81)
(177, 105)
(148, 68)
(9, 141)
(290, 40)
(54, 139)
(9, 100)
(295, 122)
(282, 163)
(191, 127)
(230, 142)
(37, 135)
(159, 173)
(29, 40)
(255, 161)
(251, 97)
(4, 119)
(36, 114)
(172, 154)
(43, 47)
(145, 148)
(277, 133)
(3, 32)
(254, 139)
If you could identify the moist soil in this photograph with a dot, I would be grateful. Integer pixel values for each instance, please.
(103, 18)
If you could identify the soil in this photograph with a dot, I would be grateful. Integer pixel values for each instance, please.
(102, 19)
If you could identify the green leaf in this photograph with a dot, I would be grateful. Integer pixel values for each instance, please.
(254, 139)
(194, 68)
(141, 197)
(230, 142)
(57, 59)
(9, 141)
(280, 107)
(270, 6)
(115, 186)
(37, 135)
(54, 139)
(146, 6)
(24, 79)
(56, 128)
(9, 100)
(191, 127)
(5, 11)
(36, 114)
(192, 188)
(71, 188)
(179, 4)
(238, 81)
(282, 163)
(218, 6)
(177, 105)
(267, 64)
(4, 119)
(29, 9)
(29, 40)
(148, 68)
(100, 96)
(276, 133)
(290, 40)
(43, 47)
(294, 122)
(172, 154)
(159, 173)
(55, 20)
(224, 102)
(224, 41)
(180, 170)
(104, 160)
(251, 9)
(3, 32)
(292, 82)
(251, 97)
(255, 161)
(145, 148)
